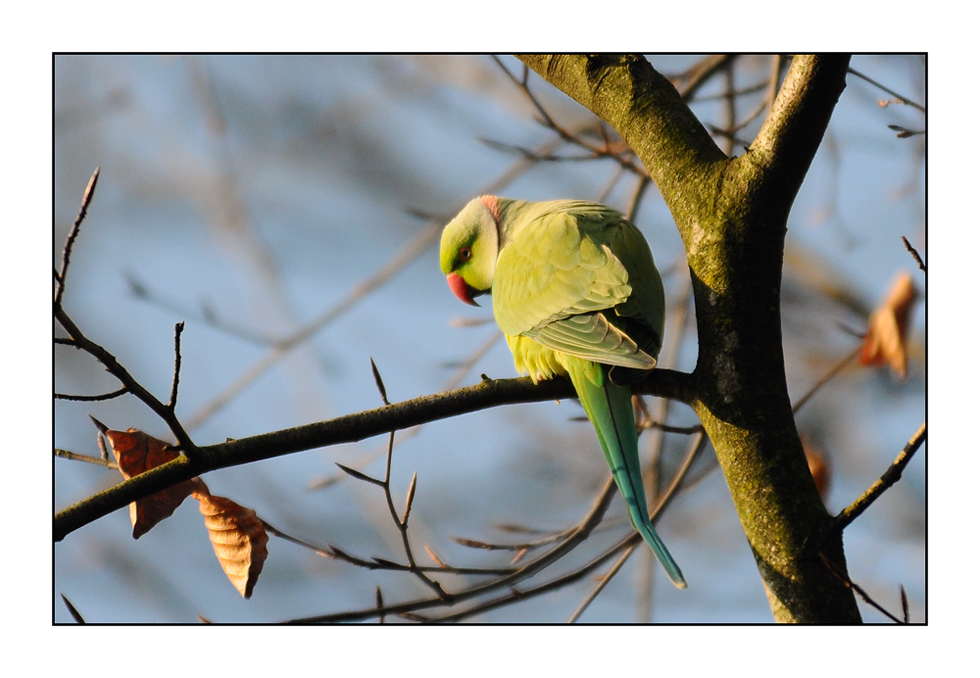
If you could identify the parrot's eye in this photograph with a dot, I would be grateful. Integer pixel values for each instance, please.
(465, 254)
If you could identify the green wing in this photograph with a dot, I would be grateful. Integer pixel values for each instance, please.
(577, 277)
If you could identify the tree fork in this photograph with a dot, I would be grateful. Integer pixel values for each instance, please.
(732, 216)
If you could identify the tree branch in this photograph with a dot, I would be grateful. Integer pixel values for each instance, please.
(165, 412)
(346, 429)
(789, 138)
(887, 479)
(732, 216)
(61, 276)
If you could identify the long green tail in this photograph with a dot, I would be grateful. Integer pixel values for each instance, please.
(610, 409)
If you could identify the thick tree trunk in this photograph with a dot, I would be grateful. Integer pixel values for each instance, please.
(732, 215)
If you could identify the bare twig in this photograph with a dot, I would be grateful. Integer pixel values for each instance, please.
(75, 614)
(379, 601)
(777, 67)
(861, 592)
(402, 524)
(628, 545)
(904, 132)
(409, 253)
(347, 428)
(602, 584)
(163, 411)
(731, 107)
(624, 158)
(667, 428)
(379, 383)
(914, 253)
(462, 370)
(887, 479)
(100, 439)
(74, 456)
(637, 197)
(699, 74)
(901, 99)
(669, 358)
(831, 373)
(697, 446)
(178, 329)
(331, 551)
(522, 547)
(205, 313)
(61, 276)
(95, 398)
(81, 342)
(529, 569)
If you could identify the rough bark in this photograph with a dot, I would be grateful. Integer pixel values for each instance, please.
(732, 217)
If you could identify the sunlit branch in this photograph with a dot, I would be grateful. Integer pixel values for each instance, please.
(887, 479)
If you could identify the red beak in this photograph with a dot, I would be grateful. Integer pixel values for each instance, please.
(459, 287)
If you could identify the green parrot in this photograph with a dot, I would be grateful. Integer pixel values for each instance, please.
(575, 291)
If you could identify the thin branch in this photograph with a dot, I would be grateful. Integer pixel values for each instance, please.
(785, 145)
(119, 372)
(861, 592)
(833, 372)
(94, 398)
(668, 358)
(773, 90)
(904, 132)
(178, 329)
(667, 428)
(625, 159)
(887, 479)
(379, 383)
(74, 456)
(628, 544)
(522, 548)
(345, 429)
(409, 253)
(62, 275)
(914, 253)
(402, 524)
(412, 250)
(643, 183)
(455, 380)
(529, 569)
(379, 601)
(602, 584)
(698, 75)
(81, 342)
(75, 614)
(331, 551)
(901, 99)
(205, 314)
(751, 89)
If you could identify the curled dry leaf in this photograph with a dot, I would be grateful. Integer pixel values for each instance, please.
(885, 342)
(239, 539)
(136, 453)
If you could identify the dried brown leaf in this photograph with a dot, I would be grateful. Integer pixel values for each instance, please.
(239, 539)
(886, 340)
(136, 452)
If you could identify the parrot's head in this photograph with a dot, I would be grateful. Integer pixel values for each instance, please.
(468, 252)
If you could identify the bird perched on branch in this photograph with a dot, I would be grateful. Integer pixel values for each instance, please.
(575, 291)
